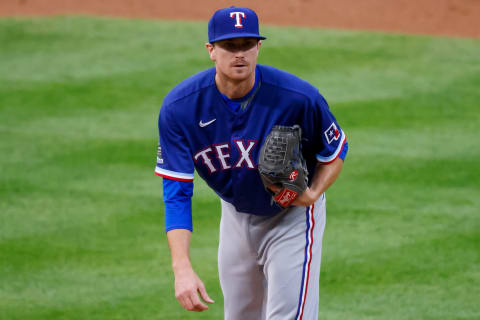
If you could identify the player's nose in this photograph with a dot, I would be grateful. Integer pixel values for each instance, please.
(239, 54)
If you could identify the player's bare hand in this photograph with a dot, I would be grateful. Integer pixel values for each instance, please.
(306, 199)
(188, 286)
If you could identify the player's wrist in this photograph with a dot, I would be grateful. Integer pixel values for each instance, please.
(182, 266)
(307, 198)
(311, 196)
(314, 194)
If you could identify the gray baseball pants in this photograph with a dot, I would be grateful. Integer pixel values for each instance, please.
(270, 266)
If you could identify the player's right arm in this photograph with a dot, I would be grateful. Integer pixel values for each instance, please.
(178, 225)
(174, 164)
(187, 284)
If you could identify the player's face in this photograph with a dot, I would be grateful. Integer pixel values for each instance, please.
(235, 58)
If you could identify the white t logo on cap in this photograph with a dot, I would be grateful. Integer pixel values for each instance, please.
(238, 17)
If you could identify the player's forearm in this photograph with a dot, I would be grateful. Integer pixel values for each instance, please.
(187, 284)
(179, 243)
(325, 175)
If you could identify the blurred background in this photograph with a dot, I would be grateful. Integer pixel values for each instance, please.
(81, 214)
(443, 17)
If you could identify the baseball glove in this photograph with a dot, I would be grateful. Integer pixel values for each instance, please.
(281, 163)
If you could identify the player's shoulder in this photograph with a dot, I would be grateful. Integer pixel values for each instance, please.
(191, 86)
(283, 80)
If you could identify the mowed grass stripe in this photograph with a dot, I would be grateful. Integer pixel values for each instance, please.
(81, 232)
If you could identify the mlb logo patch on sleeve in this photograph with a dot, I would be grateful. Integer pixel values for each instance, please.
(159, 154)
(332, 133)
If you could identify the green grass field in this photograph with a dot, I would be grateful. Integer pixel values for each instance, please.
(81, 218)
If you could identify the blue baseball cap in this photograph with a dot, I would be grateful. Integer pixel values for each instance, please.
(233, 22)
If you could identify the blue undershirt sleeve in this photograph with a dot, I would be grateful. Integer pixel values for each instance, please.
(343, 153)
(177, 196)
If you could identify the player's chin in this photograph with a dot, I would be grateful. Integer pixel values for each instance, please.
(240, 73)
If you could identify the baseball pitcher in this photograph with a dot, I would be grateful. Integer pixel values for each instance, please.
(267, 143)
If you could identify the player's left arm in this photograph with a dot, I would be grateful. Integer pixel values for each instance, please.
(324, 176)
(331, 156)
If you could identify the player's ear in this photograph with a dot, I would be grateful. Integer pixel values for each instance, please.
(211, 50)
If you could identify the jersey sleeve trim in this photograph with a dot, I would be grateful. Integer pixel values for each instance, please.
(173, 175)
(334, 156)
(179, 227)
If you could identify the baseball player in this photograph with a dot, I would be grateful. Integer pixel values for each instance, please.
(216, 122)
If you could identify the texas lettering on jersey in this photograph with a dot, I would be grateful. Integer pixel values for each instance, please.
(222, 153)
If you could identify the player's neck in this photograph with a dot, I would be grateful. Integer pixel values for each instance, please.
(234, 89)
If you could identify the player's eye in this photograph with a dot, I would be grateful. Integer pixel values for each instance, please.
(230, 46)
(248, 45)
(243, 46)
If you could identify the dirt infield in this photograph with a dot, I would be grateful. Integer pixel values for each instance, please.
(440, 17)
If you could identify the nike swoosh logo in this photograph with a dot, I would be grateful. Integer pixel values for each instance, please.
(204, 124)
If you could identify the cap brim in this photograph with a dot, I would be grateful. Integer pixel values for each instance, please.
(237, 35)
